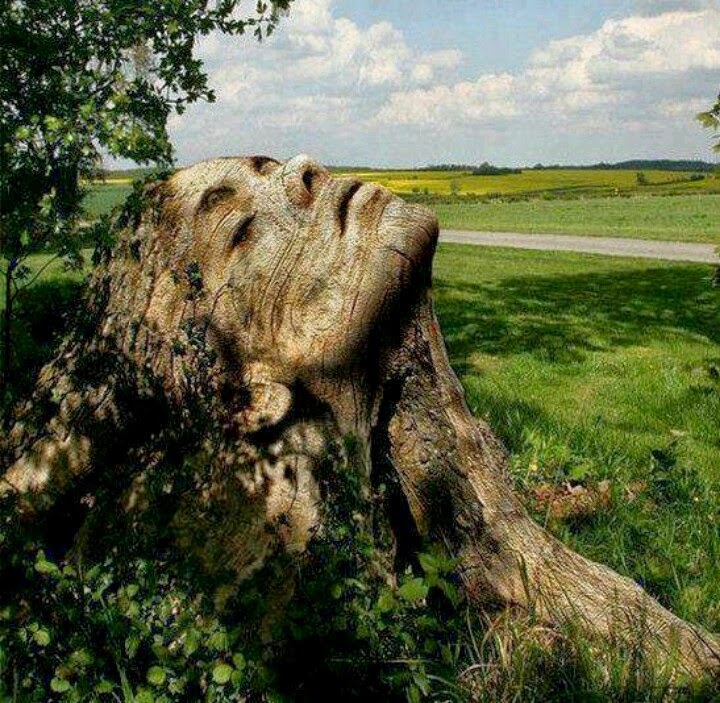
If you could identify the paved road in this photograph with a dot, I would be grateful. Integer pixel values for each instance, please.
(642, 248)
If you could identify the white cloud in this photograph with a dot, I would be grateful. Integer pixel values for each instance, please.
(487, 99)
(607, 77)
(348, 93)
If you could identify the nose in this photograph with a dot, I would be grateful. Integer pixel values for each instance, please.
(303, 179)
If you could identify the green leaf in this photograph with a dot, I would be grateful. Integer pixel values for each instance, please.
(156, 675)
(221, 673)
(413, 590)
(218, 641)
(59, 685)
(192, 642)
(131, 644)
(450, 591)
(144, 696)
(428, 563)
(42, 637)
(386, 601)
(43, 566)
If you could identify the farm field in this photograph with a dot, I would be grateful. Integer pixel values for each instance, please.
(682, 218)
(542, 183)
(598, 373)
(103, 197)
(693, 216)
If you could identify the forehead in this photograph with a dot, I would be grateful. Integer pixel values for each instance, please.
(195, 180)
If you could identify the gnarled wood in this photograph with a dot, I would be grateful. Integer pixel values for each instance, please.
(453, 474)
(251, 315)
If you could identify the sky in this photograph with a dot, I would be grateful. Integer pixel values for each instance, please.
(408, 83)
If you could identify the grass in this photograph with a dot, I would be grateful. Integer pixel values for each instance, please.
(691, 217)
(594, 369)
(103, 197)
(41, 315)
(674, 218)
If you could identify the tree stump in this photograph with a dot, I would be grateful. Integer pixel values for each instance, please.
(252, 314)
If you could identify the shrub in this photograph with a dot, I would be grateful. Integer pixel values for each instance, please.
(144, 629)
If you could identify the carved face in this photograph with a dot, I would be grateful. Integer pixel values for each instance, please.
(244, 284)
(298, 266)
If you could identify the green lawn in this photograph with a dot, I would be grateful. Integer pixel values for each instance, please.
(687, 218)
(593, 369)
(103, 197)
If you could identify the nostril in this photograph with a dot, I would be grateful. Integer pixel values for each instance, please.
(304, 180)
(345, 204)
(308, 180)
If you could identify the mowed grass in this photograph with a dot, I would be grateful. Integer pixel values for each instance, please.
(688, 218)
(594, 369)
(103, 197)
(672, 218)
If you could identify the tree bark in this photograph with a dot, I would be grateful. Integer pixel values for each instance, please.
(7, 332)
(453, 473)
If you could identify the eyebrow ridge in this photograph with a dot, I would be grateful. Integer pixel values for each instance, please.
(225, 191)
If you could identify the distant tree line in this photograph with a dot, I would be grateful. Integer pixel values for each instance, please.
(639, 164)
(487, 169)
(484, 169)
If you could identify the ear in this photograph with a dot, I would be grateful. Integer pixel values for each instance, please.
(268, 404)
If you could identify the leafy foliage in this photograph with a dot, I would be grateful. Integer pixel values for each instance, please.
(711, 120)
(142, 629)
(83, 78)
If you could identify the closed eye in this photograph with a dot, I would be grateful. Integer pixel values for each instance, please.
(242, 231)
(214, 197)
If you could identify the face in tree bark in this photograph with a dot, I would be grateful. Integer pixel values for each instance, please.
(253, 313)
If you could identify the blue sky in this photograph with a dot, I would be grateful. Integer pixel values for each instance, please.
(412, 82)
(493, 35)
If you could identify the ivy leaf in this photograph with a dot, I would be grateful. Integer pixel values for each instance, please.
(414, 590)
(221, 673)
(156, 675)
